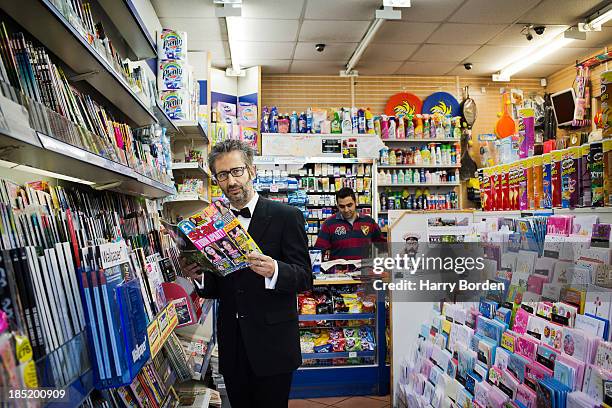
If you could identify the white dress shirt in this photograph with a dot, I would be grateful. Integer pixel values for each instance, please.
(269, 282)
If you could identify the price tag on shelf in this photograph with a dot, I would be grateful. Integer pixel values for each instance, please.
(352, 354)
(274, 188)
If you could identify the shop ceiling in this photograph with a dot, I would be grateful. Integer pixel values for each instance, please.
(434, 37)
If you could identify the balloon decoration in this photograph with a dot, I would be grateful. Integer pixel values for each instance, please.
(403, 103)
(442, 103)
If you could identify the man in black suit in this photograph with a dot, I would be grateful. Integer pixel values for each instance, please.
(259, 343)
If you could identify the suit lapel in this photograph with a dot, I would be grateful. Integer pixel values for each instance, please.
(259, 220)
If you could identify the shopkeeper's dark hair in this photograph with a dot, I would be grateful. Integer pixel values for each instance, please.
(345, 192)
(228, 146)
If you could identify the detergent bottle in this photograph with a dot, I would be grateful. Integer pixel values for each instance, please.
(401, 128)
(336, 126)
(392, 128)
(293, 123)
(409, 128)
(361, 121)
(426, 124)
(369, 121)
(418, 130)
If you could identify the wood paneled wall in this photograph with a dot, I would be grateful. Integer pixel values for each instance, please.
(565, 78)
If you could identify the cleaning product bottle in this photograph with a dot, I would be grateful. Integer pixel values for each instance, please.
(392, 161)
(432, 127)
(377, 126)
(309, 120)
(293, 123)
(438, 154)
(384, 126)
(400, 177)
(369, 121)
(383, 200)
(354, 120)
(426, 124)
(409, 128)
(408, 177)
(392, 128)
(447, 127)
(416, 177)
(401, 128)
(361, 121)
(457, 129)
(274, 120)
(347, 127)
(440, 127)
(417, 157)
(418, 130)
(393, 177)
(432, 154)
(381, 176)
(302, 128)
(265, 120)
(336, 126)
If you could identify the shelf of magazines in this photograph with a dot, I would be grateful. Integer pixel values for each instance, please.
(55, 31)
(67, 369)
(34, 136)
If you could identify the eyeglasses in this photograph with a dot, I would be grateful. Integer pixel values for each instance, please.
(236, 172)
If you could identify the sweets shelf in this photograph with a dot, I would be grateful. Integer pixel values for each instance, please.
(191, 130)
(335, 282)
(124, 15)
(420, 166)
(452, 184)
(345, 354)
(191, 166)
(33, 149)
(45, 22)
(336, 316)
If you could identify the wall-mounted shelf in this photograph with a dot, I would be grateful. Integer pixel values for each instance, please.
(419, 166)
(336, 316)
(187, 198)
(345, 354)
(428, 140)
(164, 120)
(44, 21)
(453, 184)
(191, 130)
(132, 29)
(191, 166)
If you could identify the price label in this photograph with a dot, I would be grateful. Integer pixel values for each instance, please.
(352, 354)
(274, 188)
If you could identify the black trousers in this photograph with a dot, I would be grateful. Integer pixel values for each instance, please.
(247, 390)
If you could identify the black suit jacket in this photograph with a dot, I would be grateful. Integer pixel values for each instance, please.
(267, 318)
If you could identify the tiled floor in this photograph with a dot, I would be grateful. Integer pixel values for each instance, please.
(342, 402)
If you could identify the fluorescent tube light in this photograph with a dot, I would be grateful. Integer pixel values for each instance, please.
(41, 172)
(234, 29)
(595, 21)
(535, 56)
(365, 41)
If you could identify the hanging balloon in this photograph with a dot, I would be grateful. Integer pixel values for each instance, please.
(442, 103)
(403, 103)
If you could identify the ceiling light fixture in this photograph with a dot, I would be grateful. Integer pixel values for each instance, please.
(41, 172)
(596, 20)
(534, 56)
(234, 28)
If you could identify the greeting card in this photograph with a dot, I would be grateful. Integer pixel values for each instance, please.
(527, 346)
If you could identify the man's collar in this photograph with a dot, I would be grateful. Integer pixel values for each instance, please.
(251, 204)
(340, 217)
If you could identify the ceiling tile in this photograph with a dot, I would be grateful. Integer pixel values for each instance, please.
(389, 52)
(267, 30)
(265, 50)
(425, 68)
(492, 11)
(481, 69)
(218, 49)
(443, 53)
(513, 37)
(199, 30)
(428, 11)
(496, 55)
(451, 33)
(563, 12)
(316, 67)
(375, 67)
(364, 10)
(274, 9)
(333, 31)
(184, 8)
(332, 51)
(269, 66)
(539, 71)
(404, 32)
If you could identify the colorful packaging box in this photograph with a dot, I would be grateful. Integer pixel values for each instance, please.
(607, 148)
(537, 182)
(172, 45)
(546, 200)
(485, 187)
(526, 127)
(597, 174)
(493, 194)
(523, 200)
(557, 158)
(528, 171)
(606, 102)
(225, 109)
(569, 177)
(247, 114)
(584, 177)
(175, 104)
(172, 75)
(505, 187)
(249, 135)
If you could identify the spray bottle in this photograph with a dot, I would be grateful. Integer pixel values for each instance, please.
(309, 120)
(347, 127)
(361, 121)
(293, 123)
(384, 126)
(354, 120)
(426, 123)
(401, 128)
(369, 121)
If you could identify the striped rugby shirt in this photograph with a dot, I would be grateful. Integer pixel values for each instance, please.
(346, 241)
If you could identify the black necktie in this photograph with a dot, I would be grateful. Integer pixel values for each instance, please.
(245, 212)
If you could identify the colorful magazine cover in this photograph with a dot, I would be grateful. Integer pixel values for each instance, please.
(220, 237)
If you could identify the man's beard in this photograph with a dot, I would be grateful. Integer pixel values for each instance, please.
(238, 198)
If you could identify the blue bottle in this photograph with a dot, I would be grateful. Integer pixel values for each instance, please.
(293, 123)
